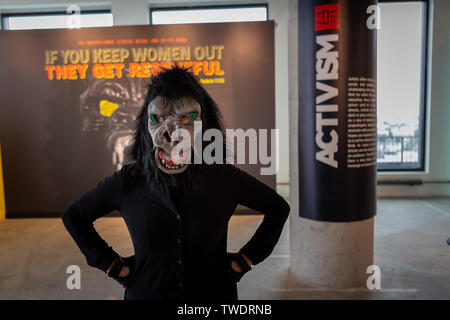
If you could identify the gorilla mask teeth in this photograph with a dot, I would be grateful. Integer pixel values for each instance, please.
(168, 164)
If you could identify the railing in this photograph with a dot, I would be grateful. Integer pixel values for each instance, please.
(397, 149)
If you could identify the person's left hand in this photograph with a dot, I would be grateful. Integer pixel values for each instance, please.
(236, 267)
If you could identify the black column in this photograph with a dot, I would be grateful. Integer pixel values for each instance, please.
(337, 110)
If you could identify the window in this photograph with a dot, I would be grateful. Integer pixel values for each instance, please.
(401, 74)
(55, 20)
(208, 14)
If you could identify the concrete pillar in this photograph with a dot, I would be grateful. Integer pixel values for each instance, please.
(322, 253)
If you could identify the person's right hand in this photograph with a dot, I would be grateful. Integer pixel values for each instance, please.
(124, 272)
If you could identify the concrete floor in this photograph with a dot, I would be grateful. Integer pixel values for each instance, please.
(410, 248)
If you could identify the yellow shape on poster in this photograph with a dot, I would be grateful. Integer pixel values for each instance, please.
(2, 191)
(107, 108)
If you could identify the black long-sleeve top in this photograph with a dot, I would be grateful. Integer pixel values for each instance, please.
(179, 246)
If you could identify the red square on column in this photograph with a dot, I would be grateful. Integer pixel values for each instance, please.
(327, 16)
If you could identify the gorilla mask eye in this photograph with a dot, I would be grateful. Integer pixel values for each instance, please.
(155, 118)
(189, 118)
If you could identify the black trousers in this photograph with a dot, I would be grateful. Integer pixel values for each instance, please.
(226, 295)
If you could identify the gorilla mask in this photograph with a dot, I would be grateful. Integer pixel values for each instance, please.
(174, 99)
(165, 119)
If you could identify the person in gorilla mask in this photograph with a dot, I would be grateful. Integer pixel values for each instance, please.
(176, 211)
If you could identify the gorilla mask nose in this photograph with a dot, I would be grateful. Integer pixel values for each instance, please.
(167, 135)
